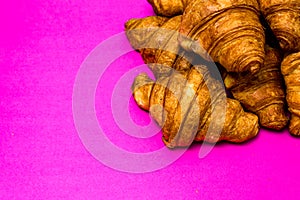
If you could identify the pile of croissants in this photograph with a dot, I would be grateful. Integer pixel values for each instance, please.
(255, 45)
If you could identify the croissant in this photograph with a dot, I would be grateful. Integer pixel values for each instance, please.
(189, 106)
(290, 68)
(228, 32)
(168, 8)
(283, 16)
(159, 46)
(262, 93)
(144, 27)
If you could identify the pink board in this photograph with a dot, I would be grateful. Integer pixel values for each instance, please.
(42, 155)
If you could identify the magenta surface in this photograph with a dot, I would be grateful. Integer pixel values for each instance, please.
(42, 45)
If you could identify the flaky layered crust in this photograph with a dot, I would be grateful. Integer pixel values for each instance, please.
(183, 105)
(227, 31)
(283, 16)
(290, 68)
(161, 49)
(262, 93)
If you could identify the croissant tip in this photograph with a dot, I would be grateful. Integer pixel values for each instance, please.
(130, 24)
(255, 68)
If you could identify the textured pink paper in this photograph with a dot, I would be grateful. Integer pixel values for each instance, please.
(42, 45)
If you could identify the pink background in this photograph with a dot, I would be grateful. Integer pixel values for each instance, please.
(42, 45)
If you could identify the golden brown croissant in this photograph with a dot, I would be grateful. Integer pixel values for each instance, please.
(262, 93)
(290, 68)
(283, 16)
(161, 48)
(227, 31)
(168, 8)
(183, 105)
